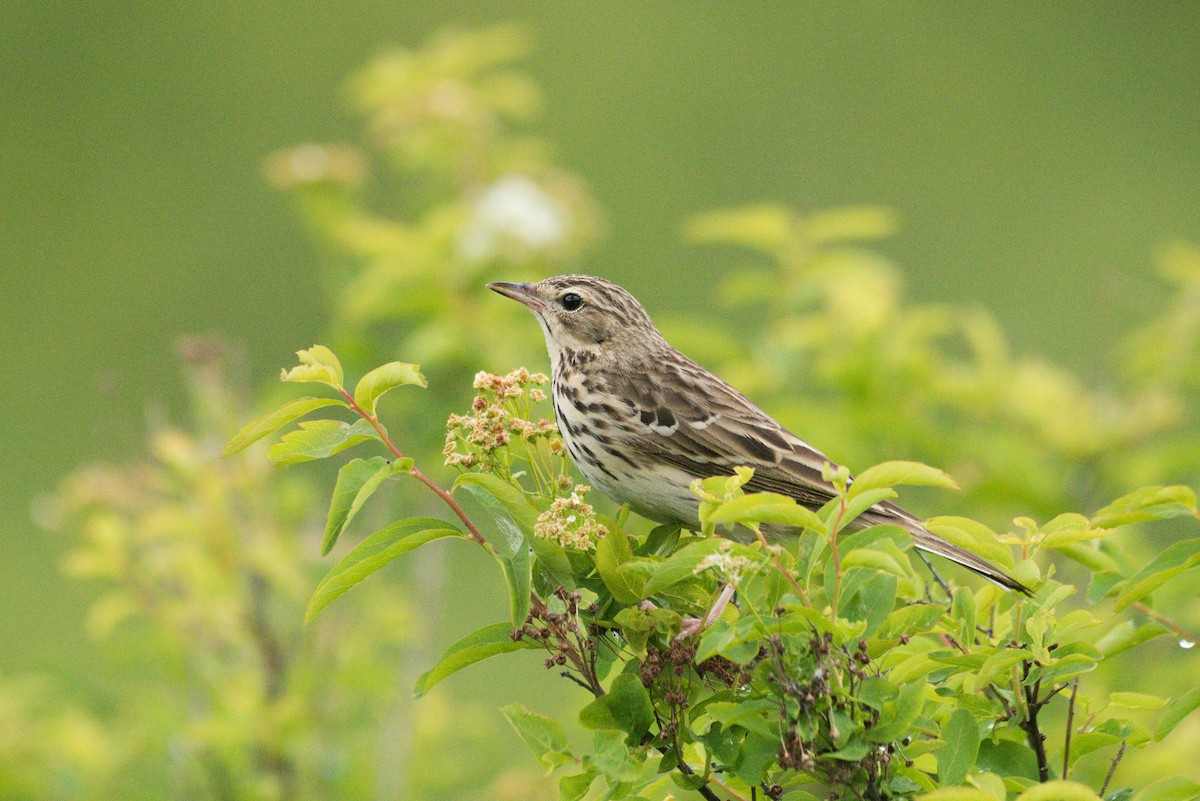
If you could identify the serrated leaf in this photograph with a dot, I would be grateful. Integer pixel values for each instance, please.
(357, 481)
(374, 384)
(544, 736)
(482, 644)
(319, 439)
(957, 756)
(1176, 711)
(273, 421)
(373, 553)
(317, 365)
(626, 706)
(894, 474)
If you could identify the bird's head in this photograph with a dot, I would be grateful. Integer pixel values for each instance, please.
(581, 312)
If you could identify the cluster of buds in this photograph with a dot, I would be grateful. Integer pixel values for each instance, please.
(731, 568)
(571, 521)
(498, 417)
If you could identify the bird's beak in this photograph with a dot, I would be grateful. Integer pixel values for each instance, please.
(520, 292)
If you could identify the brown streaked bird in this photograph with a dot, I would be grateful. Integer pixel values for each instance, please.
(642, 421)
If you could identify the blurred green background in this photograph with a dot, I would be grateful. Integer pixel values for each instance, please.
(1038, 154)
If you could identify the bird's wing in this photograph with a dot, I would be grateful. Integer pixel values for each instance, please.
(685, 416)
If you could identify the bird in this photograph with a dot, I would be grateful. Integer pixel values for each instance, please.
(642, 421)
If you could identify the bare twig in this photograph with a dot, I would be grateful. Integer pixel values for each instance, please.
(1179, 630)
(1070, 724)
(941, 582)
(1112, 768)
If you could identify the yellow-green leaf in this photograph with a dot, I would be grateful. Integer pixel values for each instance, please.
(317, 365)
(273, 421)
(386, 377)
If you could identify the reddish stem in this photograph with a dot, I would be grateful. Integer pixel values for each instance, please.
(416, 473)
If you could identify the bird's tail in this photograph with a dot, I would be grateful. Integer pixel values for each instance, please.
(925, 540)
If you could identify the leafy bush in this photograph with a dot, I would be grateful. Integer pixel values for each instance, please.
(851, 673)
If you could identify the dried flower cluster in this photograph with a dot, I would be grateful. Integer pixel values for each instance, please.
(571, 522)
(499, 417)
(730, 567)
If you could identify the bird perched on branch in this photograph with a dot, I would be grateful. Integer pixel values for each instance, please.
(642, 421)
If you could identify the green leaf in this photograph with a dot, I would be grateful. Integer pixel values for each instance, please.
(518, 574)
(898, 716)
(766, 507)
(1176, 788)
(1174, 560)
(357, 481)
(1059, 791)
(612, 757)
(273, 421)
(957, 756)
(513, 512)
(861, 502)
(318, 439)
(575, 787)
(375, 552)
(1148, 503)
(386, 377)
(626, 706)
(625, 576)
(317, 365)
(1176, 711)
(895, 474)
(486, 642)
(955, 794)
(543, 736)
(1137, 700)
(681, 565)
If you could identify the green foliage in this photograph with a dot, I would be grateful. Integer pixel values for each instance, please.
(841, 666)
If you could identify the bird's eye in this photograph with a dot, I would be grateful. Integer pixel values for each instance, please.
(571, 301)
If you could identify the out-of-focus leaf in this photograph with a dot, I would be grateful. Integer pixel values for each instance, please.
(374, 384)
(1174, 560)
(576, 786)
(486, 642)
(317, 365)
(273, 421)
(1148, 503)
(1176, 711)
(543, 736)
(357, 481)
(1176, 788)
(1059, 791)
(375, 552)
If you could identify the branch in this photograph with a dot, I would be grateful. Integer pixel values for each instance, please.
(1113, 768)
(416, 473)
(1037, 740)
(1166, 621)
(1070, 724)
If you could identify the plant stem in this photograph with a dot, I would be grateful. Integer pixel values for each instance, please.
(1179, 630)
(1070, 724)
(1112, 768)
(446, 497)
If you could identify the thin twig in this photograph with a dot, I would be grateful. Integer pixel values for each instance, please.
(728, 789)
(703, 789)
(416, 473)
(1070, 724)
(941, 582)
(1112, 768)
(1166, 621)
